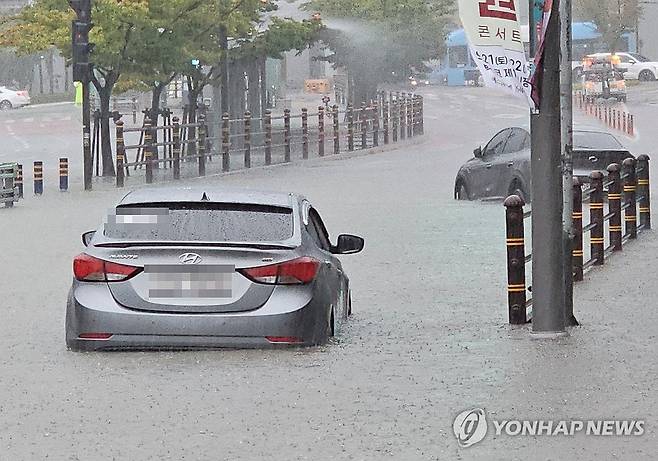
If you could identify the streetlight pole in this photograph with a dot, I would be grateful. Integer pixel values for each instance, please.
(566, 104)
(547, 230)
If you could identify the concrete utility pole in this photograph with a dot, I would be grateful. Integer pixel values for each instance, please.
(566, 103)
(547, 232)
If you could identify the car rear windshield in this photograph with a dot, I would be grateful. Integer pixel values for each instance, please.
(595, 141)
(207, 222)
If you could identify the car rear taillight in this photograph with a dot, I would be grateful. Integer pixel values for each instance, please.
(89, 269)
(297, 271)
(284, 339)
(95, 336)
(23, 94)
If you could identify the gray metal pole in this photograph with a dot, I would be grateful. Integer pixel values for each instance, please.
(566, 103)
(547, 240)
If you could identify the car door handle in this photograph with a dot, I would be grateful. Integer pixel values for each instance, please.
(488, 165)
(509, 164)
(327, 263)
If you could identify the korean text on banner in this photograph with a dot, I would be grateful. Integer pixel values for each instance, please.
(494, 37)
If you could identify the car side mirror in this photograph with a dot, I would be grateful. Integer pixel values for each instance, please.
(87, 236)
(348, 244)
(477, 152)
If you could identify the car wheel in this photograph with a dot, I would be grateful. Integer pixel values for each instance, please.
(5, 105)
(461, 191)
(646, 76)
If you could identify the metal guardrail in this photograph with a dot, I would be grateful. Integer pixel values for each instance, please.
(386, 120)
(8, 189)
(627, 187)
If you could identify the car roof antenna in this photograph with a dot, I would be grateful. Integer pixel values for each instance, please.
(205, 198)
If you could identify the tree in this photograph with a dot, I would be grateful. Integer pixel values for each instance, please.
(48, 22)
(613, 18)
(380, 41)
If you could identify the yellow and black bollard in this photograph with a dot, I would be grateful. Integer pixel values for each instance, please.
(268, 137)
(614, 206)
(516, 289)
(395, 115)
(38, 178)
(286, 135)
(63, 174)
(402, 104)
(304, 133)
(375, 125)
(350, 128)
(19, 180)
(630, 190)
(202, 146)
(336, 129)
(321, 131)
(597, 242)
(121, 160)
(364, 126)
(148, 152)
(247, 139)
(176, 135)
(644, 191)
(577, 245)
(385, 117)
(226, 142)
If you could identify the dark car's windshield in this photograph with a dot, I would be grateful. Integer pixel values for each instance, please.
(595, 141)
(214, 222)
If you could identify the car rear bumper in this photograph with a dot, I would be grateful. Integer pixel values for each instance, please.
(290, 312)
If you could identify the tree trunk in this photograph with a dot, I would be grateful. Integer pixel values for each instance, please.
(156, 94)
(104, 94)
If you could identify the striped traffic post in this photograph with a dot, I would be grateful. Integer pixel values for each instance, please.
(176, 152)
(304, 133)
(644, 191)
(38, 177)
(268, 136)
(321, 131)
(202, 145)
(596, 218)
(614, 206)
(516, 289)
(350, 127)
(336, 127)
(148, 140)
(63, 174)
(226, 142)
(385, 116)
(121, 153)
(375, 125)
(577, 246)
(19, 180)
(247, 139)
(630, 189)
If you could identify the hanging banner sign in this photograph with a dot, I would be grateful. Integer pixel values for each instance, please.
(494, 37)
(545, 15)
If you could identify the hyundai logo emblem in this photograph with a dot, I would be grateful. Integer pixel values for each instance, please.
(189, 258)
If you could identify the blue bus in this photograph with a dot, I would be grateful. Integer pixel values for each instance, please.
(459, 69)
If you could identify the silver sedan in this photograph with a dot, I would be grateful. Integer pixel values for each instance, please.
(204, 268)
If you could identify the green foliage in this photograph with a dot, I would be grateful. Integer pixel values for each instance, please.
(383, 40)
(613, 18)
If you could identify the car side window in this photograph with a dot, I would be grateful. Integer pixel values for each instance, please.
(497, 144)
(516, 141)
(317, 230)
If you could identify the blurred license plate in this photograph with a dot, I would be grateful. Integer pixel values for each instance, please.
(202, 281)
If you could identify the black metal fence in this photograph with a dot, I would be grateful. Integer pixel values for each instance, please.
(177, 149)
(623, 197)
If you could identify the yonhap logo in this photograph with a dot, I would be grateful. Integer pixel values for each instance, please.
(470, 427)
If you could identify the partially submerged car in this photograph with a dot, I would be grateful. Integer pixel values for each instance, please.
(502, 167)
(205, 268)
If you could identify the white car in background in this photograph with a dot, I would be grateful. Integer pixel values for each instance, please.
(634, 65)
(10, 98)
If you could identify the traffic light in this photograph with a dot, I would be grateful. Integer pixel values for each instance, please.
(81, 50)
(80, 40)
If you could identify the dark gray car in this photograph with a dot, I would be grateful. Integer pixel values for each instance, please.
(502, 167)
(203, 268)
